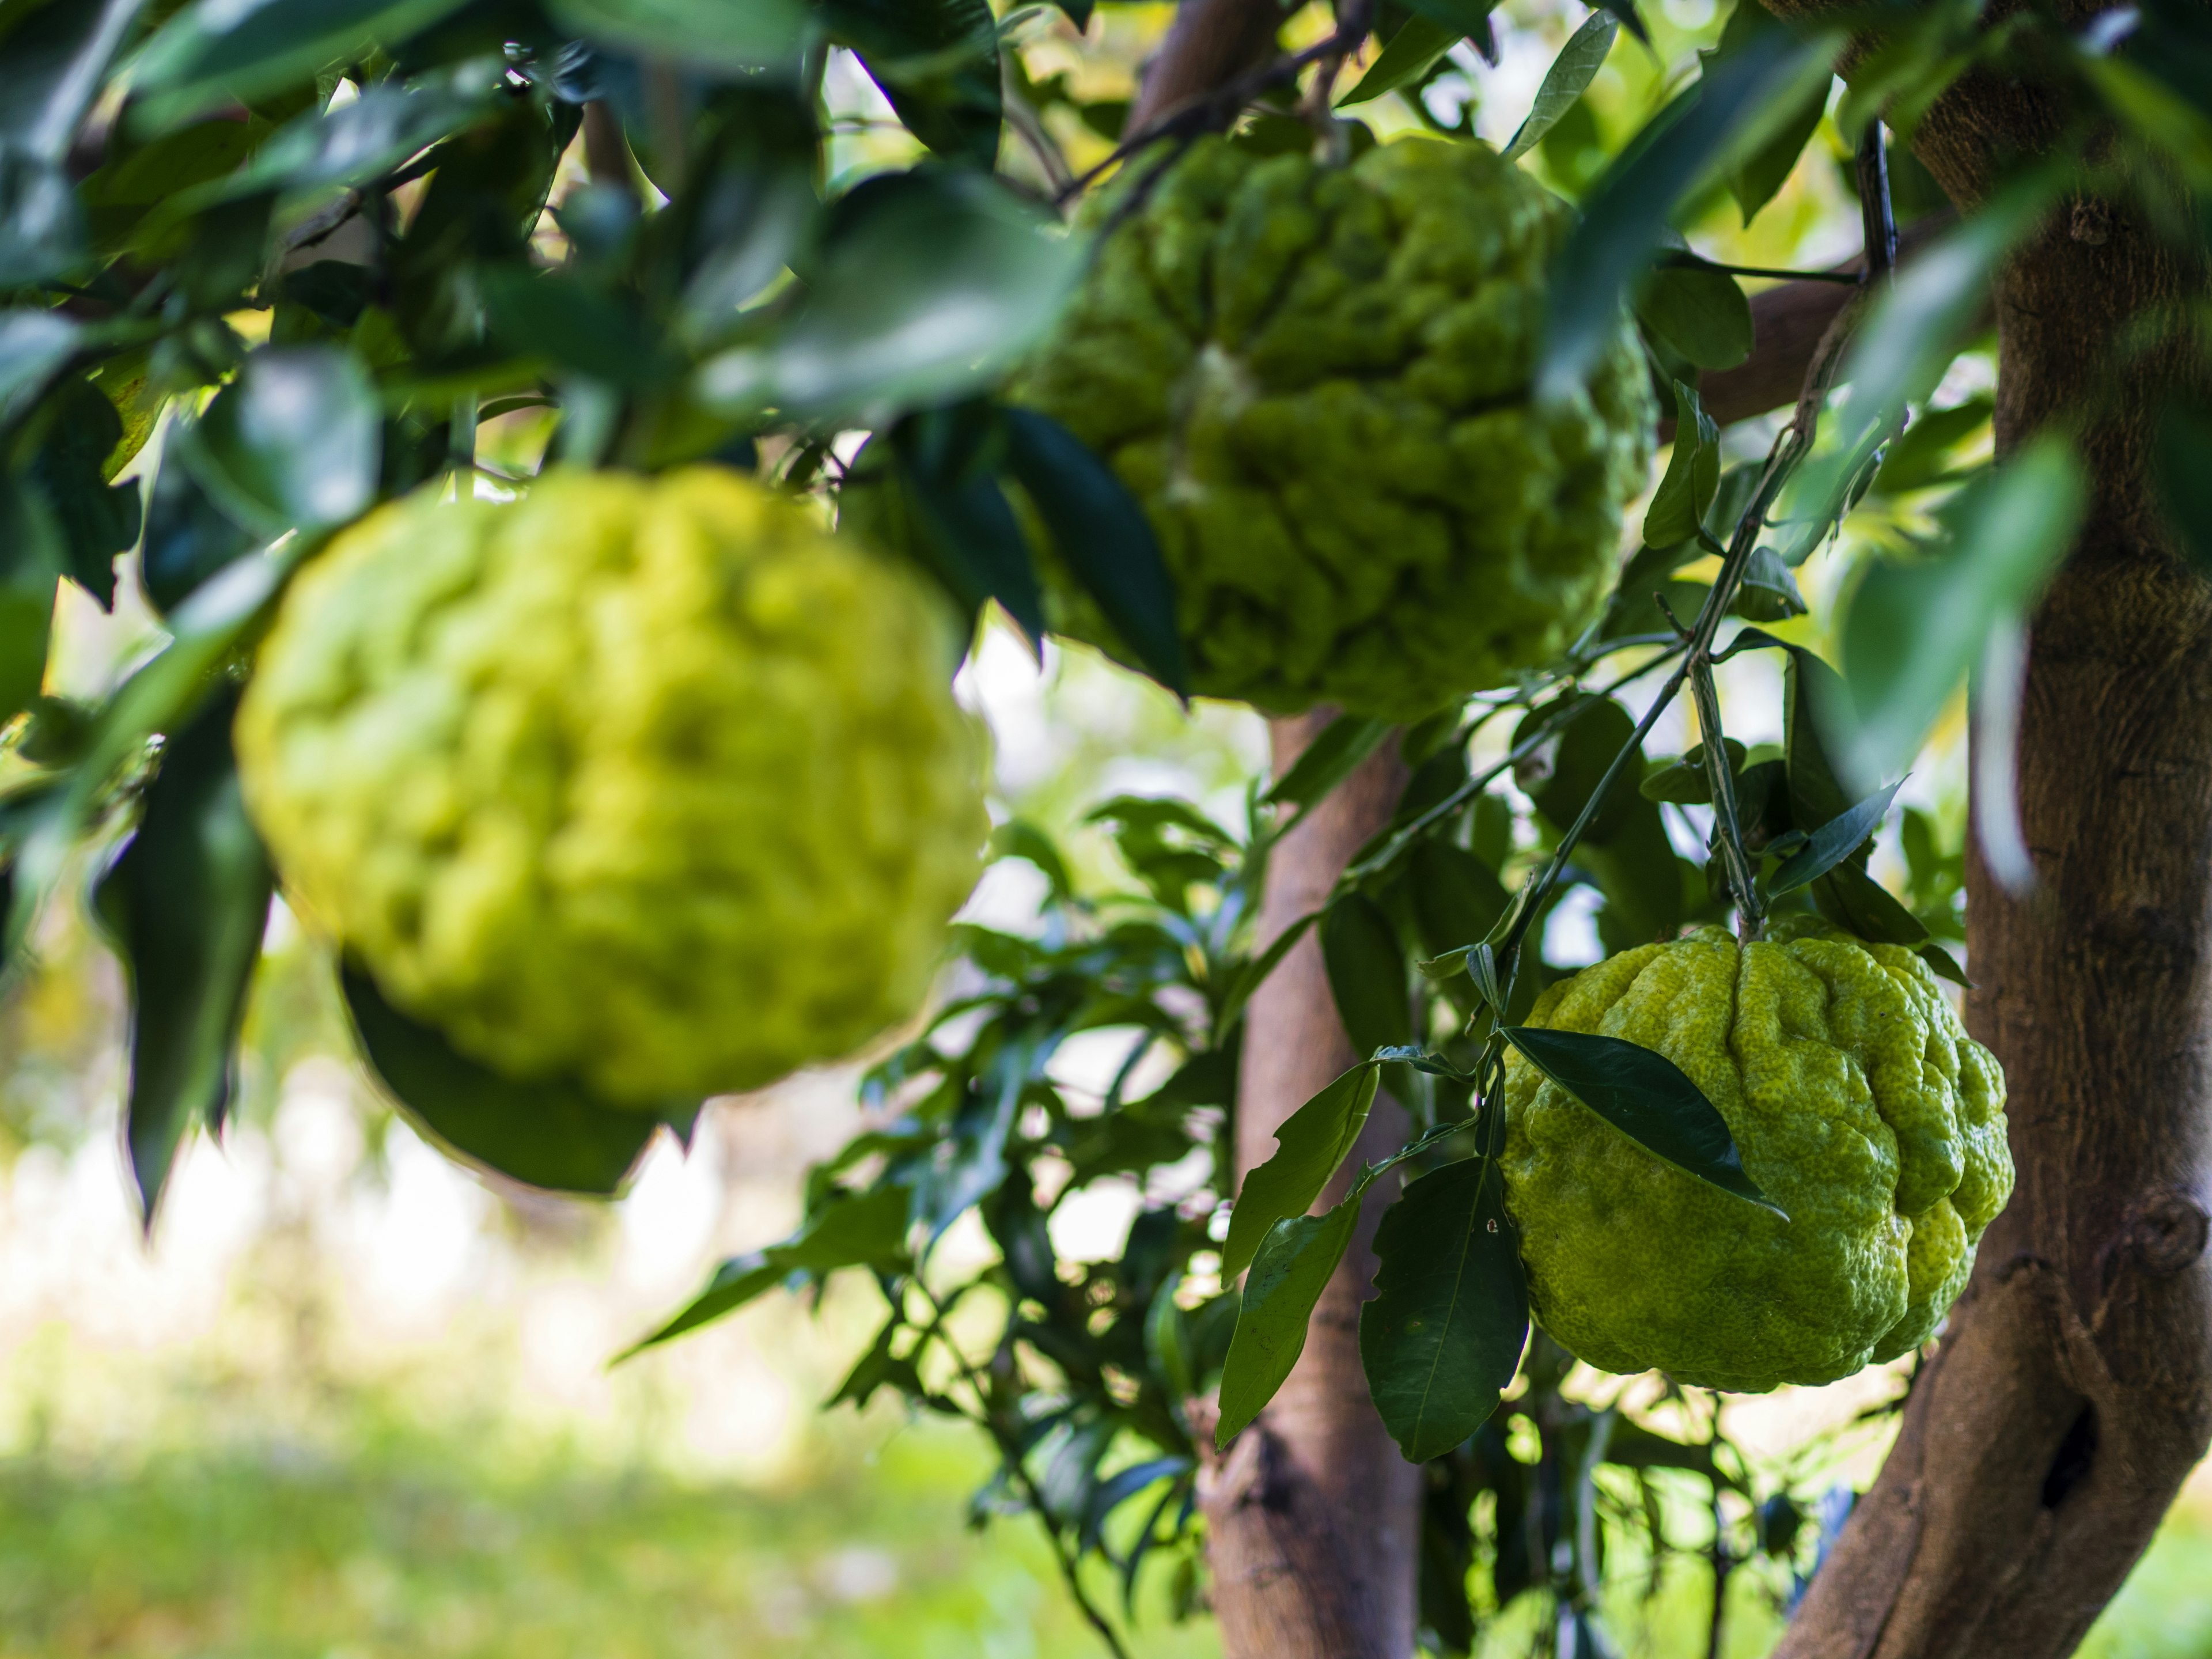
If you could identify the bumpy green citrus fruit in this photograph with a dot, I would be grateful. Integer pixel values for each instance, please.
(651, 783)
(1859, 1105)
(1316, 379)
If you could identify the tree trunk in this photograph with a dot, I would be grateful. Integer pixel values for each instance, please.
(2073, 1392)
(1314, 1518)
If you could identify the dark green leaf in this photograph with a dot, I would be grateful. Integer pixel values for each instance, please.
(548, 1134)
(1693, 474)
(938, 63)
(1685, 781)
(295, 441)
(1443, 1338)
(961, 523)
(1731, 110)
(1833, 842)
(1913, 630)
(1648, 1098)
(1813, 705)
(1639, 872)
(1699, 313)
(712, 34)
(1367, 974)
(1463, 17)
(867, 1230)
(1571, 74)
(1946, 964)
(556, 317)
(1328, 760)
(52, 70)
(188, 538)
(1768, 593)
(187, 902)
(1923, 456)
(92, 519)
(1562, 774)
(1857, 903)
(216, 52)
(1103, 537)
(30, 565)
(1761, 172)
(1417, 44)
(930, 282)
(1288, 1275)
(1457, 898)
(42, 232)
(1310, 1145)
(34, 345)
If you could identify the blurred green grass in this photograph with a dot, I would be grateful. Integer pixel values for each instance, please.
(396, 1543)
(392, 1539)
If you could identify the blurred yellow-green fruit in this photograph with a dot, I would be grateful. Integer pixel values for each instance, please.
(650, 783)
(1316, 379)
(1859, 1104)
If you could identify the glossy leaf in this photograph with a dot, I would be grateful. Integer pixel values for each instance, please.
(557, 317)
(187, 903)
(1768, 593)
(34, 345)
(1367, 974)
(1442, 1337)
(929, 284)
(1417, 44)
(1103, 538)
(188, 538)
(294, 443)
(217, 51)
(1291, 1271)
(936, 61)
(1701, 315)
(1628, 212)
(1312, 1142)
(1833, 842)
(1646, 1097)
(1693, 474)
(1565, 83)
(960, 523)
(1912, 630)
(548, 1134)
(93, 520)
(1922, 456)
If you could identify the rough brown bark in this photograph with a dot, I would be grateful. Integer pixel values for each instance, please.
(2073, 1392)
(1313, 1518)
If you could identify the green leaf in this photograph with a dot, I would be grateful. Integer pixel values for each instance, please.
(1442, 1337)
(554, 316)
(1367, 974)
(33, 346)
(1946, 965)
(51, 72)
(1700, 313)
(1646, 1097)
(959, 520)
(1328, 760)
(1457, 898)
(1291, 1271)
(217, 52)
(1103, 537)
(938, 63)
(1833, 842)
(868, 1230)
(1417, 44)
(1759, 175)
(1464, 17)
(1684, 782)
(710, 34)
(548, 1134)
(187, 902)
(1733, 108)
(1311, 1143)
(188, 538)
(1814, 704)
(1693, 474)
(1855, 901)
(929, 284)
(1923, 456)
(1562, 774)
(1913, 630)
(1571, 74)
(294, 442)
(93, 520)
